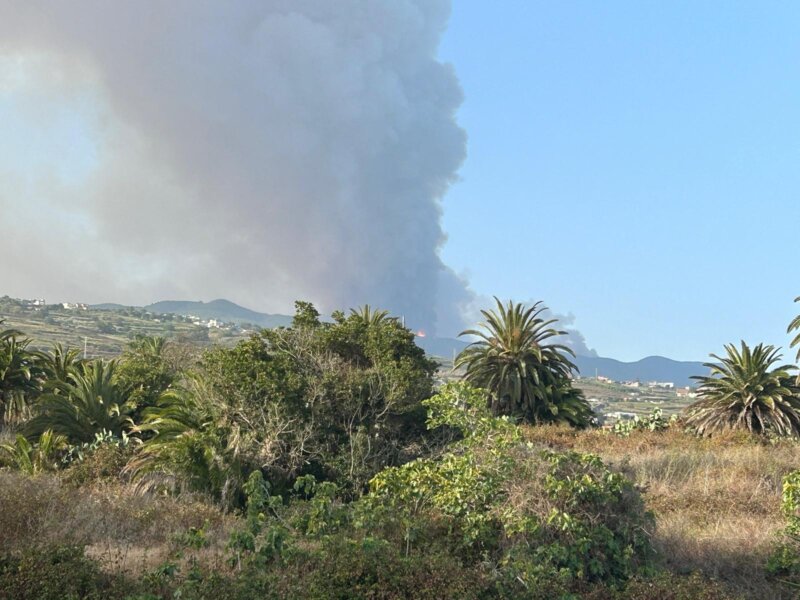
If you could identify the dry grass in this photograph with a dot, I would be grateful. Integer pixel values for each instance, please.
(716, 503)
(716, 500)
(125, 530)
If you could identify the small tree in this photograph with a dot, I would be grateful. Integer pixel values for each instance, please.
(538, 515)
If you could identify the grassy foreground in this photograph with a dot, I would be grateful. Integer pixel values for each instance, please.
(716, 503)
(716, 500)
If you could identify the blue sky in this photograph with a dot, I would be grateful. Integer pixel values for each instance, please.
(634, 164)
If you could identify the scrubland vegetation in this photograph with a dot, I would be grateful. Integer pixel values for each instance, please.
(320, 461)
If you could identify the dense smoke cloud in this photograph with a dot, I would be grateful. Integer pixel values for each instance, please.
(258, 150)
(573, 339)
(262, 151)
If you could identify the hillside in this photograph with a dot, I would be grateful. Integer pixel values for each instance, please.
(222, 310)
(104, 332)
(442, 347)
(652, 368)
(108, 326)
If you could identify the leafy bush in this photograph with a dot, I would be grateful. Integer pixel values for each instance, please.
(34, 458)
(653, 422)
(344, 568)
(54, 573)
(263, 539)
(541, 516)
(339, 400)
(785, 561)
(338, 567)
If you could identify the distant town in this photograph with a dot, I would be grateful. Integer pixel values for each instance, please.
(620, 400)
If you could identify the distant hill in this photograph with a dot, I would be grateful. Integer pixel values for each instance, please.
(110, 306)
(222, 310)
(442, 347)
(652, 368)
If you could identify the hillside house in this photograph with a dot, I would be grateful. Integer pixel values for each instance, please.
(74, 306)
(664, 385)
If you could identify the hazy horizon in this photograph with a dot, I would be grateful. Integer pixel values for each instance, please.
(632, 166)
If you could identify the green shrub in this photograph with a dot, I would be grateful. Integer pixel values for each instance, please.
(57, 573)
(539, 516)
(105, 461)
(652, 422)
(341, 567)
(344, 568)
(785, 561)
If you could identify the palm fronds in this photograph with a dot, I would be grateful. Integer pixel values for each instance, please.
(746, 391)
(89, 401)
(795, 326)
(195, 443)
(525, 373)
(40, 456)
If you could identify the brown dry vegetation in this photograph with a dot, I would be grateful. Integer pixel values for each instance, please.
(716, 503)
(123, 530)
(716, 500)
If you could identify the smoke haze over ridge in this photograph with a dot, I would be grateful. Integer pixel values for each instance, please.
(261, 151)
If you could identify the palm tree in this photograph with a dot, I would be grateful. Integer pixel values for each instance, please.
(795, 326)
(59, 363)
(370, 316)
(34, 458)
(524, 374)
(145, 371)
(745, 391)
(195, 444)
(90, 401)
(19, 376)
(148, 345)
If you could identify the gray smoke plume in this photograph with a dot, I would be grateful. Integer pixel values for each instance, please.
(573, 339)
(259, 150)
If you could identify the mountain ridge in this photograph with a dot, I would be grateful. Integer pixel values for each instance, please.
(649, 368)
(220, 309)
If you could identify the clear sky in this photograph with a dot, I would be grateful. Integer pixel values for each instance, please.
(635, 164)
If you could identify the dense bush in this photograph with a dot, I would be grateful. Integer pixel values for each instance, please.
(785, 562)
(538, 516)
(338, 400)
(54, 573)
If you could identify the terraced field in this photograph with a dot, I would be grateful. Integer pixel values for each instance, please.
(104, 333)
